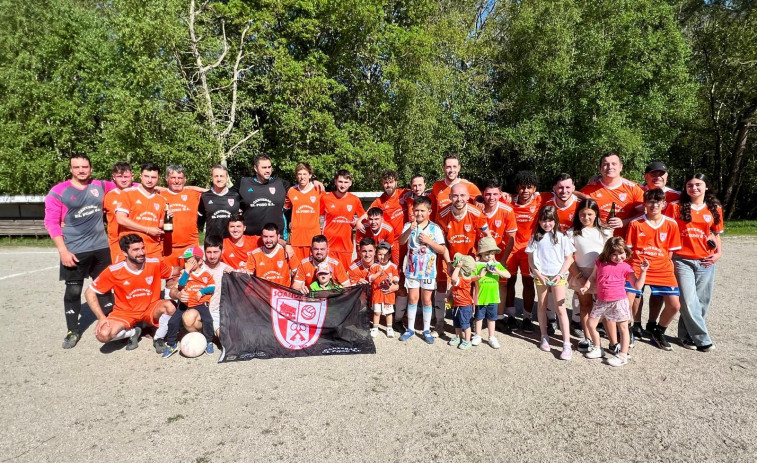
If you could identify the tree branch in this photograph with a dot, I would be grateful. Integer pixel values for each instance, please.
(235, 81)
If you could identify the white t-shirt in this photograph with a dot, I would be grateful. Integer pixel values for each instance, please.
(589, 244)
(548, 256)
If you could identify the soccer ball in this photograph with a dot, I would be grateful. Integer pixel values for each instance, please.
(193, 345)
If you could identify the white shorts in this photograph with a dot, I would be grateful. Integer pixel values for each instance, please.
(428, 283)
(383, 309)
(216, 314)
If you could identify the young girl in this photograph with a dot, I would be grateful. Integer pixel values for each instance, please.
(589, 239)
(610, 276)
(550, 254)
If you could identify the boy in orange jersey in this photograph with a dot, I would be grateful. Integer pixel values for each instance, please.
(384, 278)
(142, 210)
(123, 177)
(654, 236)
(238, 246)
(380, 231)
(304, 200)
(270, 261)
(359, 270)
(199, 286)
(462, 300)
(341, 209)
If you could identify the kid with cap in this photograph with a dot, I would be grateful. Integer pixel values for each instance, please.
(487, 274)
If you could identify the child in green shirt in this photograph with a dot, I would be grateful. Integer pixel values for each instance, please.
(488, 273)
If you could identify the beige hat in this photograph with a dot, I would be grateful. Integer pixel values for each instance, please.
(487, 244)
(469, 264)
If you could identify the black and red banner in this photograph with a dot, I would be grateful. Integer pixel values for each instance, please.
(260, 319)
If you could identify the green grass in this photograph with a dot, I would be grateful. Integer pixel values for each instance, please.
(29, 241)
(740, 227)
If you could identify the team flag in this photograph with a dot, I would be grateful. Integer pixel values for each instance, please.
(260, 319)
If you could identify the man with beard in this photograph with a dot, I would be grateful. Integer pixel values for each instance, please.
(270, 261)
(319, 253)
(136, 284)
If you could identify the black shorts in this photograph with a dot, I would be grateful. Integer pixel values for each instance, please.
(90, 264)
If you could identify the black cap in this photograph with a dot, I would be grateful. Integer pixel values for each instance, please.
(384, 245)
(653, 166)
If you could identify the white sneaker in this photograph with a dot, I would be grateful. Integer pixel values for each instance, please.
(493, 342)
(594, 352)
(618, 361)
(475, 340)
(390, 332)
(374, 332)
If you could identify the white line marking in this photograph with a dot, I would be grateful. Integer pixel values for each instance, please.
(26, 273)
(27, 252)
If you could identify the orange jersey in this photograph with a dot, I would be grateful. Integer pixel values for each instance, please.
(236, 256)
(501, 222)
(626, 197)
(358, 271)
(407, 201)
(339, 214)
(440, 195)
(134, 291)
(694, 234)
(199, 279)
(461, 235)
(306, 271)
(387, 275)
(274, 267)
(655, 243)
(306, 213)
(671, 196)
(525, 218)
(110, 203)
(385, 233)
(183, 206)
(147, 210)
(565, 213)
(394, 213)
(461, 292)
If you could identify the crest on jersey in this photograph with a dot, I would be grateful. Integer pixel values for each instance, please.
(272, 189)
(622, 196)
(231, 201)
(280, 263)
(148, 280)
(570, 217)
(349, 208)
(532, 208)
(95, 193)
(297, 321)
(707, 218)
(312, 199)
(663, 236)
(467, 227)
(157, 206)
(184, 197)
(204, 279)
(497, 223)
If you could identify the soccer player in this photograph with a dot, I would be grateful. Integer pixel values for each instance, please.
(123, 177)
(654, 236)
(614, 189)
(136, 283)
(564, 199)
(142, 210)
(183, 206)
(270, 261)
(341, 210)
(218, 204)
(526, 207)
(358, 271)
(82, 243)
(319, 254)
(442, 189)
(390, 203)
(238, 246)
(380, 231)
(304, 201)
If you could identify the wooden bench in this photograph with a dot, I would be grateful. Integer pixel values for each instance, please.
(23, 227)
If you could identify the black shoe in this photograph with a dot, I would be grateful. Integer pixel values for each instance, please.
(658, 339)
(512, 323)
(637, 332)
(527, 326)
(72, 338)
(575, 330)
(614, 349)
(651, 328)
(707, 348)
(133, 341)
(159, 344)
(551, 327)
(687, 344)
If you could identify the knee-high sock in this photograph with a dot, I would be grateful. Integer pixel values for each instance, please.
(162, 326)
(72, 304)
(411, 310)
(427, 318)
(123, 334)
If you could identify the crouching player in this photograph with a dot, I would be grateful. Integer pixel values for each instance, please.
(196, 286)
(136, 284)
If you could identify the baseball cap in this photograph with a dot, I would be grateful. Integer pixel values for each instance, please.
(323, 268)
(384, 245)
(193, 251)
(653, 166)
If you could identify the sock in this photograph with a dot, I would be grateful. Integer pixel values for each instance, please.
(400, 307)
(411, 310)
(510, 311)
(661, 329)
(526, 315)
(162, 330)
(123, 334)
(500, 316)
(72, 304)
(637, 324)
(427, 318)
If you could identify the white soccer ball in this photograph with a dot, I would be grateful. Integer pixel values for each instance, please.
(193, 344)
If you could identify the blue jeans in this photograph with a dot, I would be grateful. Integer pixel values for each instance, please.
(695, 283)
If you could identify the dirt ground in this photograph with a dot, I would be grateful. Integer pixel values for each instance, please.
(410, 401)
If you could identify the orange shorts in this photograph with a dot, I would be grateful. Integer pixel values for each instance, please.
(518, 260)
(131, 318)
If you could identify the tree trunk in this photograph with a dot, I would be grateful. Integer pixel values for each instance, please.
(739, 148)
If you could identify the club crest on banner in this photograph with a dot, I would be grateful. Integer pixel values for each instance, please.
(297, 320)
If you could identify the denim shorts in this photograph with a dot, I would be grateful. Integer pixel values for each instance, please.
(488, 311)
(461, 316)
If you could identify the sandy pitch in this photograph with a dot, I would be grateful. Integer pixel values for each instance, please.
(409, 402)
